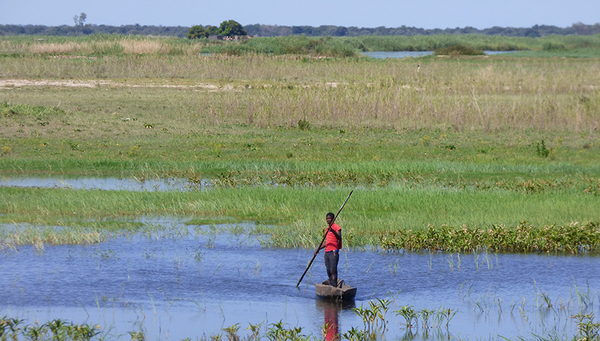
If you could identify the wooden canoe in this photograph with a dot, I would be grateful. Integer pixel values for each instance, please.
(342, 292)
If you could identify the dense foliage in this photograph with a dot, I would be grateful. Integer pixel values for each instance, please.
(197, 32)
(227, 28)
(232, 28)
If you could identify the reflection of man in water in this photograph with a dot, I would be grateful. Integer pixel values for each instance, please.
(333, 244)
(331, 321)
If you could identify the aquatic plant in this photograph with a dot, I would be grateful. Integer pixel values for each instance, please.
(354, 334)
(12, 324)
(574, 238)
(447, 315)
(137, 335)
(430, 318)
(425, 315)
(10, 329)
(278, 332)
(35, 332)
(587, 329)
(58, 329)
(232, 332)
(409, 314)
(255, 329)
(83, 332)
(373, 317)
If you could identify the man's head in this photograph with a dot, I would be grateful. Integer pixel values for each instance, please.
(330, 217)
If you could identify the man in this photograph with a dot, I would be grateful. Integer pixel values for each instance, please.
(332, 246)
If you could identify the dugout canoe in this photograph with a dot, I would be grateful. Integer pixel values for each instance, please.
(342, 292)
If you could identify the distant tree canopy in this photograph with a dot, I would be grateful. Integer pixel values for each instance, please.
(81, 28)
(352, 31)
(212, 30)
(227, 28)
(232, 28)
(196, 32)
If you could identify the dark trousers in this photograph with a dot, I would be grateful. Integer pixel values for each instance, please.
(331, 263)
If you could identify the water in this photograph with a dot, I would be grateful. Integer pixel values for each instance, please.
(396, 54)
(105, 183)
(408, 54)
(181, 281)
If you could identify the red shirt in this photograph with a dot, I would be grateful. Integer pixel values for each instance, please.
(331, 242)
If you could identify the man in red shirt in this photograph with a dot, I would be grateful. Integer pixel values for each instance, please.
(333, 244)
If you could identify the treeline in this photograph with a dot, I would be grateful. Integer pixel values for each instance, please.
(65, 30)
(279, 31)
(340, 31)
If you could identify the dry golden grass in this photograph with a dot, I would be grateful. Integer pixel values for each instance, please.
(467, 93)
(146, 46)
(59, 48)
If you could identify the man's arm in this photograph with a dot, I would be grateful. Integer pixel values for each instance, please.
(337, 234)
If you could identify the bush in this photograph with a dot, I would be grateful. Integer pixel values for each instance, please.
(196, 32)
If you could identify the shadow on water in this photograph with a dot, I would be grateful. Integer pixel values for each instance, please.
(202, 279)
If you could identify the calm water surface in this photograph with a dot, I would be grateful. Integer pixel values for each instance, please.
(116, 184)
(408, 54)
(181, 282)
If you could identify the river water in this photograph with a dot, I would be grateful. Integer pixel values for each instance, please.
(409, 54)
(115, 184)
(173, 281)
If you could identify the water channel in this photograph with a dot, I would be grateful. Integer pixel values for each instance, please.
(114, 184)
(176, 282)
(412, 54)
(173, 281)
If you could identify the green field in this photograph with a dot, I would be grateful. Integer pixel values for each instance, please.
(476, 141)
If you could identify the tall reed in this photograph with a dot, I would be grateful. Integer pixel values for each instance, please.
(464, 95)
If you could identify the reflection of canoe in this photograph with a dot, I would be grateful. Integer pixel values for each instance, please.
(342, 292)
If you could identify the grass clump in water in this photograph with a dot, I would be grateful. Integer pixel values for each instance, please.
(573, 238)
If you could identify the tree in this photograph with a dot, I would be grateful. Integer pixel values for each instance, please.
(196, 32)
(79, 19)
(232, 28)
(212, 30)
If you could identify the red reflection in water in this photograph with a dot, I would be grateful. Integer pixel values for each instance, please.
(331, 315)
(331, 321)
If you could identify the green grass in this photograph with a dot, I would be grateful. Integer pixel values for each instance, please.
(563, 53)
(299, 212)
(118, 45)
(475, 141)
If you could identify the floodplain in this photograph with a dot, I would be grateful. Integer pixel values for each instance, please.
(461, 166)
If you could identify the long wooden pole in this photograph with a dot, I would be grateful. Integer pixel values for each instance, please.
(322, 240)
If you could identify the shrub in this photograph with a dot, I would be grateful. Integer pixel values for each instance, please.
(196, 32)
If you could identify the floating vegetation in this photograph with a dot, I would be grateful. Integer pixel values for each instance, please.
(574, 238)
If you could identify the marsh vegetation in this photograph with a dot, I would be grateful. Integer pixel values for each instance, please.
(452, 156)
(461, 141)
